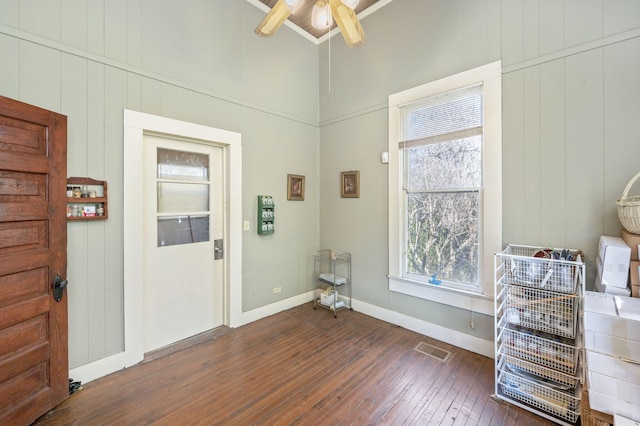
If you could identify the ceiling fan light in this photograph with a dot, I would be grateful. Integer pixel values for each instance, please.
(351, 3)
(294, 5)
(321, 15)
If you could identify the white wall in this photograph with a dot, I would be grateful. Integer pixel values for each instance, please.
(197, 61)
(571, 101)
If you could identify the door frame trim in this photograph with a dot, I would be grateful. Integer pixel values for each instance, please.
(136, 124)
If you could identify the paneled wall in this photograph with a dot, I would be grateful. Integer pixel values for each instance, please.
(196, 61)
(570, 139)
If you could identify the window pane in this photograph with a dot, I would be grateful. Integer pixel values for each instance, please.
(182, 197)
(182, 230)
(180, 165)
(445, 165)
(442, 236)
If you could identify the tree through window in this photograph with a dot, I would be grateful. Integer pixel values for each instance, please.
(442, 151)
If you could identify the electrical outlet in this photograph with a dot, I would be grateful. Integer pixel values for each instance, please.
(472, 324)
(245, 225)
(277, 290)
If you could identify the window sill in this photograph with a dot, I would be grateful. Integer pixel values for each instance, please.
(470, 301)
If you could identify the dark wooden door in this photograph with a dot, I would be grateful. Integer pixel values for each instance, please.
(34, 367)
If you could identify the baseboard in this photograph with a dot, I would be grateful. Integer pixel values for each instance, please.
(103, 367)
(274, 308)
(100, 368)
(461, 340)
(111, 364)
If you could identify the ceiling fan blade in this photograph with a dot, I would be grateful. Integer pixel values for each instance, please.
(348, 23)
(274, 20)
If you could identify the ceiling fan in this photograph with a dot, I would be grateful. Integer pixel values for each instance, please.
(322, 16)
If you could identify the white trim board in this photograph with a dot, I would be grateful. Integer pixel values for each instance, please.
(136, 124)
(456, 338)
(100, 368)
(572, 51)
(276, 307)
(106, 366)
(473, 302)
(128, 68)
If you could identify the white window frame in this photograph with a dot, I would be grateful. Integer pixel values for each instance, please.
(490, 77)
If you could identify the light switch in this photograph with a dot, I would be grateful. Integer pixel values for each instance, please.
(245, 225)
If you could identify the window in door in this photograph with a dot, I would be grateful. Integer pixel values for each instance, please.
(183, 197)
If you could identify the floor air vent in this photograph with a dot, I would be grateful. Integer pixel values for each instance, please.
(432, 351)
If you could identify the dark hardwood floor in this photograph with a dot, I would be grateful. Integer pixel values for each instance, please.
(299, 367)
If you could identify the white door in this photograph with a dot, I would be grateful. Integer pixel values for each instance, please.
(183, 218)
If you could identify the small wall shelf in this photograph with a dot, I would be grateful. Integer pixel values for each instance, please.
(266, 217)
(86, 199)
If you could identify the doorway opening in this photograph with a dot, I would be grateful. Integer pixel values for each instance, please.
(140, 129)
(183, 251)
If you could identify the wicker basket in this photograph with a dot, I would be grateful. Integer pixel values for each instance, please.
(629, 209)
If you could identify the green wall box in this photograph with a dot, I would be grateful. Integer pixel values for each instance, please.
(266, 217)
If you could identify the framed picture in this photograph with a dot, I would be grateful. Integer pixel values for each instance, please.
(295, 187)
(350, 184)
